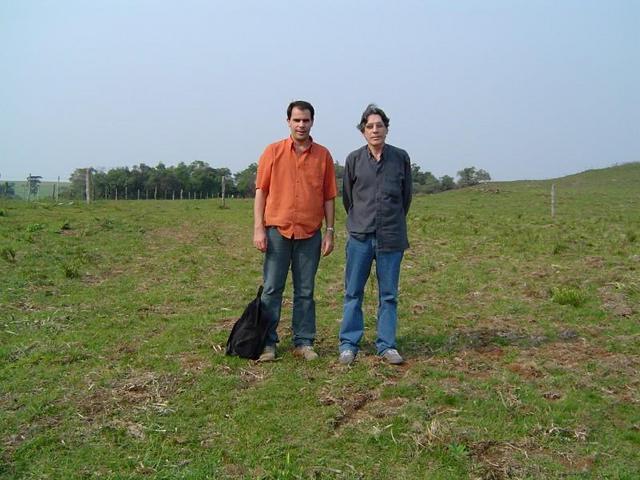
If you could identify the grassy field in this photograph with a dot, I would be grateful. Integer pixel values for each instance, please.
(522, 335)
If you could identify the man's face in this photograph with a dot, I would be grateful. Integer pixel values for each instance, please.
(374, 131)
(300, 124)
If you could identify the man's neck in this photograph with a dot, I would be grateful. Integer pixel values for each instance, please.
(376, 151)
(301, 146)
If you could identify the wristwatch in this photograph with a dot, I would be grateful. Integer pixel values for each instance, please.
(331, 229)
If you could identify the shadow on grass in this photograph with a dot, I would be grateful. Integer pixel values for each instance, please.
(417, 345)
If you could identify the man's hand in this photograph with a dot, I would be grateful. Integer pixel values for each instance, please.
(260, 238)
(327, 243)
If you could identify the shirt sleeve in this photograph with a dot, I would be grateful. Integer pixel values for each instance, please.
(330, 188)
(263, 176)
(408, 185)
(347, 184)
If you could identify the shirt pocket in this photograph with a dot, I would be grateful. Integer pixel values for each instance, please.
(392, 184)
(315, 179)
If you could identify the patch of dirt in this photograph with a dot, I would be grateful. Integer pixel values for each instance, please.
(578, 434)
(348, 403)
(99, 278)
(490, 338)
(533, 292)
(184, 234)
(251, 376)
(220, 324)
(494, 460)
(139, 391)
(26, 431)
(192, 363)
(526, 370)
(127, 348)
(614, 301)
(356, 405)
(594, 262)
(576, 355)
(576, 463)
(135, 430)
(239, 471)
(473, 363)
(386, 408)
(614, 374)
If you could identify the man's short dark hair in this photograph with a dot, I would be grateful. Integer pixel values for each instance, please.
(372, 109)
(302, 105)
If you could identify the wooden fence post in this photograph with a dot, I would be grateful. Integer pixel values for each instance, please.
(87, 182)
(223, 189)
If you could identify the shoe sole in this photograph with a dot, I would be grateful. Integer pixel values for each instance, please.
(268, 359)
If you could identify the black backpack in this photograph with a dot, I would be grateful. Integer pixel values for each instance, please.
(249, 333)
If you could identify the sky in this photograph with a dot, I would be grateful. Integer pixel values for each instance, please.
(522, 89)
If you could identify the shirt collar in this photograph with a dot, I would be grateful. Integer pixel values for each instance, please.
(370, 155)
(291, 144)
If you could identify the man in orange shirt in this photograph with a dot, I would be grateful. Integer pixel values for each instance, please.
(295, 191)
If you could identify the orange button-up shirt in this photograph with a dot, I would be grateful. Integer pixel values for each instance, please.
(296, 187)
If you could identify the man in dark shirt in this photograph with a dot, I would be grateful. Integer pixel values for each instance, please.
(376, 196)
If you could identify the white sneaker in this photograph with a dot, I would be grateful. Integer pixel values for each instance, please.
(347, 357)
(306, 352)
(268, 354)
(392, 356)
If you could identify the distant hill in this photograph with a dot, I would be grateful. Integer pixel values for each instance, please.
(623, 177)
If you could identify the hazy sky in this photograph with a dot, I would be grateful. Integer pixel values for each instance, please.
(524, 89)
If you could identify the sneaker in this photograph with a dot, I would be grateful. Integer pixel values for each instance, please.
(346, 357)
(392, 356)
(268, 354)
(306, 352)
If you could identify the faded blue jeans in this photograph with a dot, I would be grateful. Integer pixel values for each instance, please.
(303, 257)
(360, 256)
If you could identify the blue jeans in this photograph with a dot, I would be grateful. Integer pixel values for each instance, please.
(360, 256)
(303, 256)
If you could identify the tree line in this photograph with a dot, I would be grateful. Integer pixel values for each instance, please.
(199, 180)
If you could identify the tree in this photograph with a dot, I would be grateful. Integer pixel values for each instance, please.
(246, 181)
(33, 185)
(139, 177)
(470, 176)
(339, 169)
(483, 176)
(77, 187)
(447, 183)
(423, 182)
(7, 190)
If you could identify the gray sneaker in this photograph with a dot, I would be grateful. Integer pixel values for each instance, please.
(306, 352)
(268, 354)
(347, 357)
(392, 356)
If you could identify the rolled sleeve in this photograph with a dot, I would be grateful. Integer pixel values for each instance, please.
(330, 187)
(265, 164)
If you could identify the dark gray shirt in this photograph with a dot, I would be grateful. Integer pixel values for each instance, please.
(377, 195)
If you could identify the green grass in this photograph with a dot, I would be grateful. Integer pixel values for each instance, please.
(521, 334)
